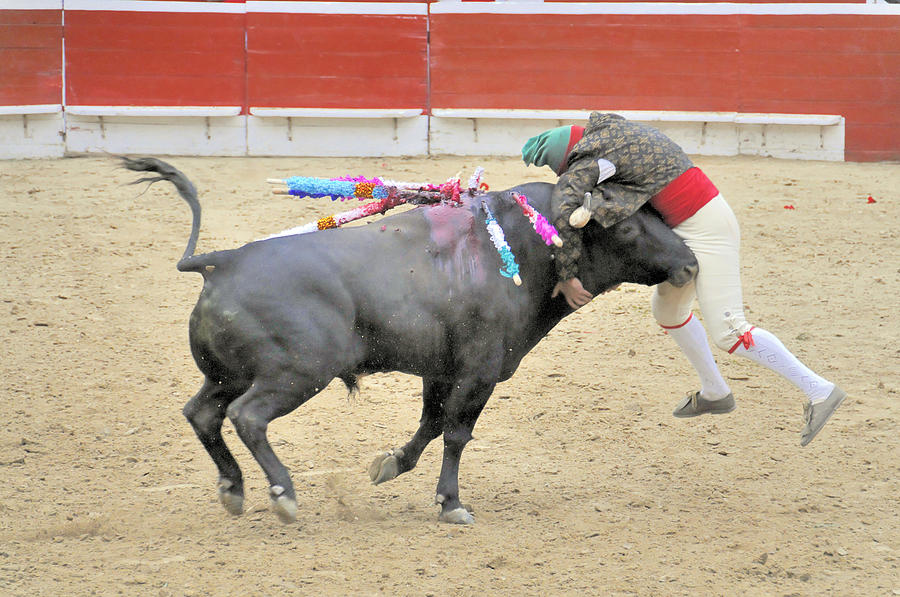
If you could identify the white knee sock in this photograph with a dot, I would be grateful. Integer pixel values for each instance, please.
(765, 349)
(691, 339)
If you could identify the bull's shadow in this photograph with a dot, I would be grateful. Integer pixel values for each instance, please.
(419, 293)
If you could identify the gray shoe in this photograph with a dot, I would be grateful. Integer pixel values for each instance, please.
(694, 404)
(816, 415)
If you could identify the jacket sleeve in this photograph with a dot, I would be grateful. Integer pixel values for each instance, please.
(578, 179)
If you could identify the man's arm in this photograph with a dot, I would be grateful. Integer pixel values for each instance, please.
(580, 178)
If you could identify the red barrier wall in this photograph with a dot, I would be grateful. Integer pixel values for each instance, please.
(136, 58)
(338, 60)
(748, 60)
(827, 64)
(547, 62)
(30, 57)
(843, 64)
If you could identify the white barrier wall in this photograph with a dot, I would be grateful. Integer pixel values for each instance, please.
(32, 132)
(807, 137)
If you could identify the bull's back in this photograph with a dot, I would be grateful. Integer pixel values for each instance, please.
(405, 293)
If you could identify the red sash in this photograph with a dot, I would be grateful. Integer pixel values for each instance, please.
(684, 196)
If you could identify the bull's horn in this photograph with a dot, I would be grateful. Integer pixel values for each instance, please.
(579, 218)
(582, 215)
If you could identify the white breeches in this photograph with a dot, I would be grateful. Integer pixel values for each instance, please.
(714, 236)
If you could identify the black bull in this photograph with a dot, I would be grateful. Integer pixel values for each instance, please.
(419, 292)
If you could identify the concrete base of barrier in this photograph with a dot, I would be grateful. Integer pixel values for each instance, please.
(307, 133)
(788, 136)
(88, 132)
(34, 133)
(31, 133)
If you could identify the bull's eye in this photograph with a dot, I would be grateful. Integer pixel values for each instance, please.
(627, 231)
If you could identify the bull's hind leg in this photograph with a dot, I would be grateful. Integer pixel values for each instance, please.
(205, 412)
(251, 414)
(461, 410)
(389, 465)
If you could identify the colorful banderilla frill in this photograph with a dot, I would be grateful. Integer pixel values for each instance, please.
(339, 219)
(510, 268)
(362, 188)
(540, 224)
(305, 186)
(390, 194)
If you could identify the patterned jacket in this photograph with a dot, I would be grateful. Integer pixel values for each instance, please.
(645, 160)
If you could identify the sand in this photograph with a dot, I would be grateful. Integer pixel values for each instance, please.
(580, 479)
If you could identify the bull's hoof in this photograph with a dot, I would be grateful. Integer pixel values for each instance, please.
(232, 500)
(385, 467)
(457, 516)
(283, 506)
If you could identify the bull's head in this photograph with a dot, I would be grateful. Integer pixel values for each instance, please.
(640, 249)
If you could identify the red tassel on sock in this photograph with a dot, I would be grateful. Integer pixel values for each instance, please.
(746, 339)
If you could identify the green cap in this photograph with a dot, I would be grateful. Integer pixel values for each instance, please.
(548, 149)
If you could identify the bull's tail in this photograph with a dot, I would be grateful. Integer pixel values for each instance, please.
(185, 188)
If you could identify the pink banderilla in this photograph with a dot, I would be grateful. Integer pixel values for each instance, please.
(544, 228)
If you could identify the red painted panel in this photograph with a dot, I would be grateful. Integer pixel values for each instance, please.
(299, 42)
(599, 56)
(30, 36)
(112, 19)
(867, 143)
(150, 34)
(551, 61)
(822, 39)
(823, 22)
(335, 92)
(336, 60)
(575, 32)
(150, 90)
(154, 59)
(26, 91)
(511, 84)
(30, 57)
(576, 101)
(135, 63)
(31, 17)
(815, 64)
(821, 89)
(392, 65)
(876, 111)
(336, 31)
(30, 61)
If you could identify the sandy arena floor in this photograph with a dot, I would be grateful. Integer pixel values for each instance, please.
(581, 481)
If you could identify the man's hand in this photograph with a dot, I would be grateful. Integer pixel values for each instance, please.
(573, 291)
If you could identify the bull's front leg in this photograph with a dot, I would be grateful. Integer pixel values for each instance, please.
(461, 410)
(389, 465)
